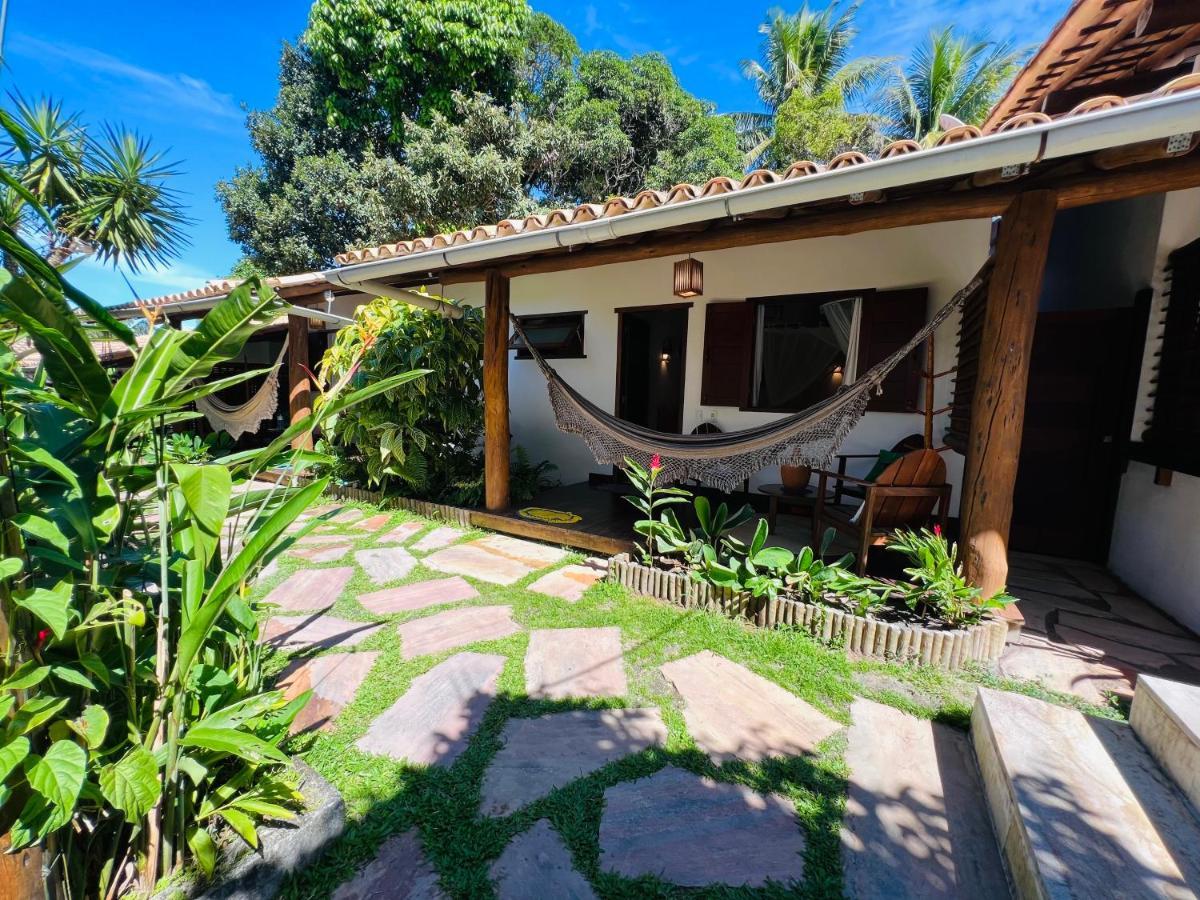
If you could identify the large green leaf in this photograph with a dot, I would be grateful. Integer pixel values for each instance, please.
(206, 491)
(204, 849)
(131, 784)
(139, 388)
(52, 606)
(35, 712)
(58, 778)
(229, 740)
(12, 755)
(92, 725)
(224, 330)
(42, 529)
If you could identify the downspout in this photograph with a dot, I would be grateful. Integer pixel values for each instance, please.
(424, 301)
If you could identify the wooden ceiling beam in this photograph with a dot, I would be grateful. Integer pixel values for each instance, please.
(1063, 101)
(1175, 52)
(1159, 15)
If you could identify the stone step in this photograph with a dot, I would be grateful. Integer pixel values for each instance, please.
(1080, 807)
(914, 825)
(1166, 716)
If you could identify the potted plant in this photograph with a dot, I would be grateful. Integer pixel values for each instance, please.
(795, 478)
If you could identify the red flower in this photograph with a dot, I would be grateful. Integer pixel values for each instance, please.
(42, 637)
(937, 530)
(655, 462)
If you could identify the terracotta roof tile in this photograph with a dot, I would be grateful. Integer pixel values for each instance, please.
(721, 185)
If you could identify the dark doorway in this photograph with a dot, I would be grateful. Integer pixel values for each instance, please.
(650, 362)
(1076, 419)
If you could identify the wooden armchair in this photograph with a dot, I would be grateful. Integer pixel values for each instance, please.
(905, 495)
(842, 485)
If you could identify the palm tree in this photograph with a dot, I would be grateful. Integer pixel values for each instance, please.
(948, 75)
(807, 51)
(109, 197)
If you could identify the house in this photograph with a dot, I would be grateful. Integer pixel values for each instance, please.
(1068, 392)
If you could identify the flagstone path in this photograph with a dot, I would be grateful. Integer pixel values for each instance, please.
(455, 628)
(575, 662)
(550, 751)
(915, 822)
(320, 553)
(694, 831)
(734, 714)
(432, 723)
(310, 589)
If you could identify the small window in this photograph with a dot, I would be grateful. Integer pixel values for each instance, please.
(805, 346)
(557, 336)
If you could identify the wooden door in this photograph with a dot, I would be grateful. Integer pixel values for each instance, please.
(1075, 408)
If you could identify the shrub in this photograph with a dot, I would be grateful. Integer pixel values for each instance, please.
(420, 440)
(936, 585)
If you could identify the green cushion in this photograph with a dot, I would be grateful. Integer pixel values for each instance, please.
(886, 458)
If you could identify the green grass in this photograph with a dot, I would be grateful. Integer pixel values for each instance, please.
(384, 797)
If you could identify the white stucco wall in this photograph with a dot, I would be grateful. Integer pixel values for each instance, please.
(942, 257)
(1156, 535)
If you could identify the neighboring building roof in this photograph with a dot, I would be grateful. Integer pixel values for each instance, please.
(1123, 48)
(220, 287)
(107, 351)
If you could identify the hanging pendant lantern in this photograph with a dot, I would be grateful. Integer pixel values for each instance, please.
(689, 278)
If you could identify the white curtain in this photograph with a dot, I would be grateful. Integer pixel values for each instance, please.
(844, 317)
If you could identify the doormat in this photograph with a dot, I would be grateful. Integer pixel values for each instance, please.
(549, 516)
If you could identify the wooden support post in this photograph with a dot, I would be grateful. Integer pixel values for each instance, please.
(998, 408)
(299, 384)
(495, 392)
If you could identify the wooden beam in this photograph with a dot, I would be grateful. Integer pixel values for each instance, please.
(1159, 15)
(1174, 52)
(1130, 84)
(299, 384)
(1074, 188)
(998, 407)
(495, 393)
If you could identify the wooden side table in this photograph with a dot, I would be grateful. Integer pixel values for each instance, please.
(776, 492)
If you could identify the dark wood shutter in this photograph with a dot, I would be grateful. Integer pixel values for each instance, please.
(728, 351)
(889, 320)
(1172, 437)
(970, 336)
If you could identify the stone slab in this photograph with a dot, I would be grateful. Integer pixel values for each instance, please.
(333, 679)
(315, 632)
(567, 583)
(538, 861)
(347, 516)
(1115, 652)
(914, 825)
(440, 537)
(400, 533)
(400, 871)
(694, 831)
(1126, 634)
(384, 564)
(434, 720)
(322, 540)
(1063, 667)
(372, 523)
(1083, 808)
(321, 553)
(310, 588)
(412, 597)
(455, 628)
(575, 662)
(543, 754)
(1166, 716)
(732, 713)
(533, 555)
(477, 562)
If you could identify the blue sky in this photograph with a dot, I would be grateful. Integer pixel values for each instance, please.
(183, 74)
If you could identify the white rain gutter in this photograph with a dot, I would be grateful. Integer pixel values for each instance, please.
(1145, 120)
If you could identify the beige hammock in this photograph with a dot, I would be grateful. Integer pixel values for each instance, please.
(248, 417)
(724, 460)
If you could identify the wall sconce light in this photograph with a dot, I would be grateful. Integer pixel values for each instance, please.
(665, 355)
(689, 278)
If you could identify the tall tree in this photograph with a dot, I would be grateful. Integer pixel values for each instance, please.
(948, 75)
(807, 51)
(403, 59)
(107, 196)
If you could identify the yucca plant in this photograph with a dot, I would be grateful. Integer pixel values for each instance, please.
(133, 713)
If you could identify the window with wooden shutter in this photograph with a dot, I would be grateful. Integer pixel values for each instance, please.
(889, 320)
(728, 345)
(1172, 437)
(970, 336)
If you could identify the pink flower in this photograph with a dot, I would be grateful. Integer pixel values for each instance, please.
(937, 530)
(655, 462)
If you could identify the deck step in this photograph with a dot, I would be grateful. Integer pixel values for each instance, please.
(1080, 807)
(1166, 716)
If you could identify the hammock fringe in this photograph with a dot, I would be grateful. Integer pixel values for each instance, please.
(807, 438)
(249, 416)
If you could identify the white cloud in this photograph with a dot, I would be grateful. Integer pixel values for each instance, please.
(167, 279)
(168, 94)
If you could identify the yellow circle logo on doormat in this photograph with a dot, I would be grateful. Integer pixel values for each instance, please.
(549, 516)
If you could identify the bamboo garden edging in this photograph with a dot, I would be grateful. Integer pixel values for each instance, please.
(982, 643)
